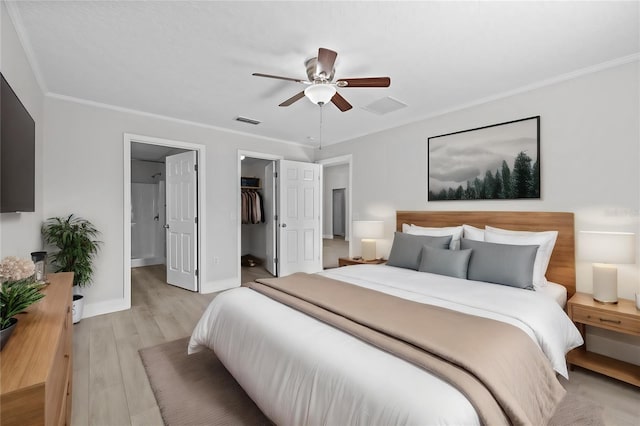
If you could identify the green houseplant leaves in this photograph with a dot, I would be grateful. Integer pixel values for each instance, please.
(15, 297)
(77, 247)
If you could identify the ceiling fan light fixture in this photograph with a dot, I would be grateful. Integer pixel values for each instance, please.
(320, 94)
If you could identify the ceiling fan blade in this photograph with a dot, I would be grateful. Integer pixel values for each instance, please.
(326, 60)
(364, 82)
(297, 80)
(341, 102)
(292, 99)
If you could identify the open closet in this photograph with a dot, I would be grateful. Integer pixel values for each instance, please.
(257, 206)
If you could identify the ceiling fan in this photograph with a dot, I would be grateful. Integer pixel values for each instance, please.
(322, 89)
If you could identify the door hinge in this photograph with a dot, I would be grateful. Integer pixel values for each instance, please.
(196, 218)
(195, 167)
(196, 272)
(275, 174)
(275, 217)
(275, 260)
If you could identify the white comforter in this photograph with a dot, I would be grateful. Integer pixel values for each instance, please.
(301, 371)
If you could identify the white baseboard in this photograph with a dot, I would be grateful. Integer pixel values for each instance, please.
(106, 307)
(327, 237)
(219, 285)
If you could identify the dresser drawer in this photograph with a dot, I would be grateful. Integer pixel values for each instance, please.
(606, 320)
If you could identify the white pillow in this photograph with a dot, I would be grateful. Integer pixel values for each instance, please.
(454, 231)
(473, 233)
(546, 240)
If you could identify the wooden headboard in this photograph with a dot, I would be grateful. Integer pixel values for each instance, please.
(562, 266)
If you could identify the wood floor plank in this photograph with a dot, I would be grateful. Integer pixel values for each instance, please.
(80, 396)
(104, 368)
(146, 326)
(108, 406)
(169, 326)
(136, 383)
(124, 326)
(149, 417)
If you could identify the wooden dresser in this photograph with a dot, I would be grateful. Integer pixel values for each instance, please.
(35, 385)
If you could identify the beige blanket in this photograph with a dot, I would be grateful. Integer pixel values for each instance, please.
(495, 365)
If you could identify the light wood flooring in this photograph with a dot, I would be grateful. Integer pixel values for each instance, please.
(110, 386)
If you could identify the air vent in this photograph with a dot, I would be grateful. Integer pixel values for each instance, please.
(385, 106)
(247, 120)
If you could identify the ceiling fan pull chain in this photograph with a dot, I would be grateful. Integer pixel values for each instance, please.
(320, 144)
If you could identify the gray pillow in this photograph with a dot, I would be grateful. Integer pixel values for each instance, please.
(453, 263)
(504, 264)
(406, 249)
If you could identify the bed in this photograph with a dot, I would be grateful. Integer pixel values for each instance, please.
(300, 370)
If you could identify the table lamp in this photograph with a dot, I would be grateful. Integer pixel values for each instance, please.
(606, 250)
(368, 230)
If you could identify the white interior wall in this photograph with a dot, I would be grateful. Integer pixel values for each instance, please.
(142, 171)
(334, 177)
(148, 244)
(20, 232)
(590, 162)
(79, 134)
(147, 220)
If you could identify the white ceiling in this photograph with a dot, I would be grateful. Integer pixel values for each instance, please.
(193, 60)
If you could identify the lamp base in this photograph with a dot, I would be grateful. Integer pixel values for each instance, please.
(605, 283)
(368, 249)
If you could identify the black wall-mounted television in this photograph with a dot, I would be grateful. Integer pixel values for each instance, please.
(17, 153)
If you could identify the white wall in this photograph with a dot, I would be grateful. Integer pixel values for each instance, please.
(84, 175)
(20, 232)
(334, 177)
(142, 171)
(590, 162)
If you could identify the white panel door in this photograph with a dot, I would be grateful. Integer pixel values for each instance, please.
(269, 204)
(181, 224)
(299, 238)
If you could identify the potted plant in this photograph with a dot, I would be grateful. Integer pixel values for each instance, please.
(74, 238)
(18, 291)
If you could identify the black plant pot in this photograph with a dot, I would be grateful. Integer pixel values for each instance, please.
(5, 333)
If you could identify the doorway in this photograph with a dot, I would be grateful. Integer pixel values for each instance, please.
(292, 191)
(145, 214)
(257, 215)
(339, 213)
(252, 235)
(336, 226)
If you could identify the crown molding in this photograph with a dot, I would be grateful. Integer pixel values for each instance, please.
(635, 57)
(168, 118)
(16, 20)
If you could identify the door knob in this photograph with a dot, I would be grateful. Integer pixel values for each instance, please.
(284, 225)
(166, 226)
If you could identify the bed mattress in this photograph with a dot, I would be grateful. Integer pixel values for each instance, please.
(301, 371)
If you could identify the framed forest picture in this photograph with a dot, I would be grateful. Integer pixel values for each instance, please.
(500, 161)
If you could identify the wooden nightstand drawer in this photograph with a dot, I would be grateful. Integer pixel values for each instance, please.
(606, 320)
(347, 261)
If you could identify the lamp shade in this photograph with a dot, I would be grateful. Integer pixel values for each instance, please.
(607, 247)
(369, 229)
(320, 94)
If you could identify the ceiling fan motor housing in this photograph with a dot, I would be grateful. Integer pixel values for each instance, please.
(312, 66)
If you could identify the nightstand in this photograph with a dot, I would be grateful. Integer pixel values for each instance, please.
(622, 317)
(346, 261)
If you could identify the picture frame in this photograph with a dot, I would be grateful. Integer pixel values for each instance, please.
(496, 162)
